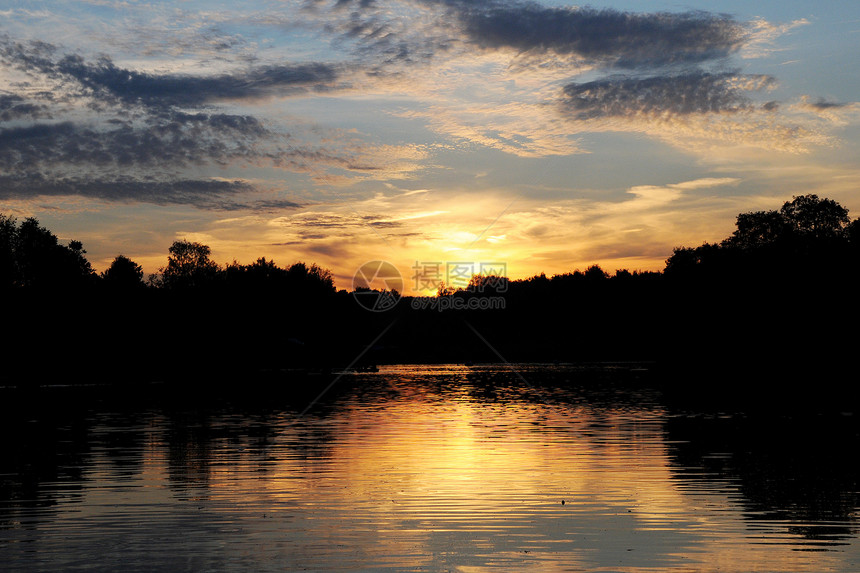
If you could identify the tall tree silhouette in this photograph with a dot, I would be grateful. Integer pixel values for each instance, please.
(803, 219)
(809, 216)
(8, 240)
(758, 229)
(806, 232)
(32, 256)
(189, 266)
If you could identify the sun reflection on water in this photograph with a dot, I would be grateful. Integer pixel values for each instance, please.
(412, 468)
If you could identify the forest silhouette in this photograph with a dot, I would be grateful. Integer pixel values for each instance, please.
(763, 315)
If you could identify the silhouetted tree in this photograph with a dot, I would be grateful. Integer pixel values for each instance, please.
(310, 278)
(189, 266)
(803, 219)
(576, 275)
(123, 274)
(8, 247)
(758, 229)
(852, 234)
(260, 276)
(77, 261)
(31, 256)
(445, 290)
(262, 271)
(595, 273)
(691, 261)
(488, 284)
(809, 216)
(807, 233)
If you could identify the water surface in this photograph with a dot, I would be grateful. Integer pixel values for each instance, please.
(426, 468)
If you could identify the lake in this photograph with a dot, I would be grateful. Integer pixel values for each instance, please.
(424, 468)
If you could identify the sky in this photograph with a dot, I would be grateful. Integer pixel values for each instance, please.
(524, 136)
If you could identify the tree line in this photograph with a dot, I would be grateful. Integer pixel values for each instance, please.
(32, 257)
(807, 234)
(768, 303)
(807, 231)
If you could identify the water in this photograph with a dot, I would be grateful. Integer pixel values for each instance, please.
(426, 468)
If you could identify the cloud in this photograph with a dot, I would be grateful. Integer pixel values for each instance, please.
(209, 194)
(503, 77)
(147, 131)
(104, 80)
(172, 141)
(763, 35)
(200, 193)
(697, 111)
(14, 107)
(696, 92)
(418, 31)
(519, 128)
(154, 156)
(822, 105)
(677, 85)
(275, 205)
(606, 37)
(648, 197)
(825, 108)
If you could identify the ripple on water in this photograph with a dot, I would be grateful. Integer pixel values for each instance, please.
(420, 468)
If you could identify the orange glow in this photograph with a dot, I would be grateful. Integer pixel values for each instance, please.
(417, 472)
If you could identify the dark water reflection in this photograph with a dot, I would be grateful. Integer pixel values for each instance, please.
(426, 469)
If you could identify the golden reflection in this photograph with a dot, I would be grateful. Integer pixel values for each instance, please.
(445, 479)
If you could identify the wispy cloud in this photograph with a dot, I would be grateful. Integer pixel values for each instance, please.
(696, 92)
(14, 107)
(666, 75)
(507, 75)
(173, 141)
(92, 127)
(205, 194)
(418, 30)
(102, 79)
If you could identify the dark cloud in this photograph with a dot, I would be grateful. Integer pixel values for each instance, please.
(144, 162)
(276, 204)
(68, 158)
(104, 80)
(603, 37)
(693, 92)
(144, 138)
(14, 107)
(543, 35)
(202, 193)
(823, 105)
(378, 37)
(343, 4)
(227, 203)
(169, 142)
(213, 194)
(151, 128)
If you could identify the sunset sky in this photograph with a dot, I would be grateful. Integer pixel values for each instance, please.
(545, 135)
